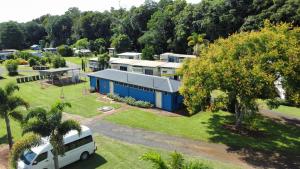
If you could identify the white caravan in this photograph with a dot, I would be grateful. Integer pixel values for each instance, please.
(77, 147)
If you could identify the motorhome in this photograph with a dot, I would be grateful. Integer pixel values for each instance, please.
(77, 147)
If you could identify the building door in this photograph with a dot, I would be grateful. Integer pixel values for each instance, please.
(111, 87)
(97, 85)
(158, 99)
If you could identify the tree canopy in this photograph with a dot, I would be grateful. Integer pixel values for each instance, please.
(245, 67)
(165, 25)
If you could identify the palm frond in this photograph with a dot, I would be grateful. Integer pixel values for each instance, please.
(10, 88)
(59, 106)
(17, 115)
(69, 125)
(15, 101)
(196, 165)
(25, 143)
(37, 127)
(39, 113)
(177, 160)
(155, 158)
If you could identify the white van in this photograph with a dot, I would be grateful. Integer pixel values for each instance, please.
(77, 147)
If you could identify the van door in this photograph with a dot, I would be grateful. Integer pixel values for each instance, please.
(41, 161)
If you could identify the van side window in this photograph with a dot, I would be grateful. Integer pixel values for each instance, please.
(41, 157)
(78, 143)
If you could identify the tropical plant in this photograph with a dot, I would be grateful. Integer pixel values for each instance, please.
(103, 60)
(176, 162)
(25, 143)
(65, 50)
(12, 67)
(198, 42)
(8, 107)
(245, 67)
(49, 124)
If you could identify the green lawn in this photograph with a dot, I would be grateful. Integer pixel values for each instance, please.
(75, 60)
(209, 127)
(15, 128)
(112, 154)
(82, 104)
(288, 110)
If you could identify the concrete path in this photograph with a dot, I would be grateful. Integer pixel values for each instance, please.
(162, 141)
(218, 152)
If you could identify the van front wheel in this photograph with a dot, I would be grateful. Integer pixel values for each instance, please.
(84, 156)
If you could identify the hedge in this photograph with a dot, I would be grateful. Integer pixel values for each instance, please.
(130, 101)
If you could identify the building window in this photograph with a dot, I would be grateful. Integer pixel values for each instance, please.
(123, 68)
(148, 71)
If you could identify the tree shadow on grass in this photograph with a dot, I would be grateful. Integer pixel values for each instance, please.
(93, 162)
(279, 147)
(3, 139)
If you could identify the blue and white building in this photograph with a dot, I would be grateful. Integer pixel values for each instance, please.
(162, 92)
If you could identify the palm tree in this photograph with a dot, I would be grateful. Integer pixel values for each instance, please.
(198, 42)
(49, 124)
(25, 143)
(176, 162)
(103, 60)
(8, 107)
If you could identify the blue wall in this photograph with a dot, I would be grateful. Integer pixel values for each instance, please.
(120, 90)
(170, 101)
(93, 82)
(143, 95)
(104, 86)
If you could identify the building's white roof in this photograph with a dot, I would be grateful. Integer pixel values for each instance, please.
(178, 55)
(134, 62)
(142, 63)
(129, 54)
(148, 81)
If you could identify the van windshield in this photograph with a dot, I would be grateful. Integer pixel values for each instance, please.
(28, 156)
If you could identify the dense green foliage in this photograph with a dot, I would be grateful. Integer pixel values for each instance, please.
(148, 53)
(103, 61)
(9, 104)
(25, 143)
(58, 61)
(65, 51)
(176, 162)
(164, 25)
(245, 67)
(130, 101)
(11, 35)
(50, 124)
(12, 67)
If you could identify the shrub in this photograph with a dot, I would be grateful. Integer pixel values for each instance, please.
(65, 51)
(44, 61)
(58, 62)
(130, 101)
(24, 55)
(12, 67)
(32, 62)
(22, 61)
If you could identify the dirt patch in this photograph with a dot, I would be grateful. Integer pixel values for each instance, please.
(4, 152)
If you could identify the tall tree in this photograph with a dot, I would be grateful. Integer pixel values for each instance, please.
(9, 104)
(198, 42)
(34, 32)
(59, 29)
(245, 67)
(11, 35)
(103, 61)
(49, 124)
